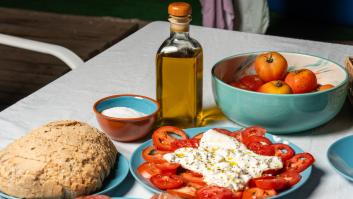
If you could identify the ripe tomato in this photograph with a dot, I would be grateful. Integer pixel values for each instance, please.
(147, 170)
(253, 82)
(94, 197)
(254, 130)
(191, 177)
(163, 141)
(239, 85)
(269, 182)
(324, 87)
(261, 149)
(301, 81)
(275, 87)
(283, 151)
(252, 139)
(167, 167)
(150, 154)
(223, 131)
(187, 192)
(214, 192)
(291, 177)
(299, 162)
(257, 193)
(193, 142)
(167, 181)
(271, 66)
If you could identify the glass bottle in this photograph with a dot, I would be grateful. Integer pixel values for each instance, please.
(179, 71)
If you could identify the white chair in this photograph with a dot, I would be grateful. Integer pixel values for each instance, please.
(64, 54)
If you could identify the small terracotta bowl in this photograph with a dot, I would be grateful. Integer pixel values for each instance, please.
(127, 129)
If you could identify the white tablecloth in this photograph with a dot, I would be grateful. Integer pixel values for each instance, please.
(129, 67)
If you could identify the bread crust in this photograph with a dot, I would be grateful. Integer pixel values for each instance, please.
(62, 159)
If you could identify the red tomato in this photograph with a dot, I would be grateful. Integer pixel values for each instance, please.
(269, 182)
(299, 162)
(238, 195)
(196, 185)
(239, 85)
(291, 177)
(301, 81)
(261, 149)
(167, 181)
(150, 154)
(283, 151)
(223, 131)
(147, 170)
(163, 141)
(257, 193)
(167, 167)
(254, 138)
(271, 66)
(193, 142)
(214, 192)
(253, 82)
(254, 130)
(191, 177)
(187, 192)
(94, 197)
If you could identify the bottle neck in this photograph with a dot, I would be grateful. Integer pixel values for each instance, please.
(179, 26)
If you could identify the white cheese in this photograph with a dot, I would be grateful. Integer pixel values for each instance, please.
(223, 161)
(122, 112)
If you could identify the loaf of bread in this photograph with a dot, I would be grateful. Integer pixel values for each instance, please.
(62, 159)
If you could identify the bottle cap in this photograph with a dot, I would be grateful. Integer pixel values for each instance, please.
(179, 9)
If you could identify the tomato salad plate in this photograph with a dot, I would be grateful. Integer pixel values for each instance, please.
(231, 163)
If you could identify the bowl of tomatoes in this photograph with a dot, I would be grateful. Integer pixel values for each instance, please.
(284, 92)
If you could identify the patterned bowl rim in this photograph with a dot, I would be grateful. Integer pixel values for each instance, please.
(342, 83)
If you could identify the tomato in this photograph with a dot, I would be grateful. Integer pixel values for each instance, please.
(269, 182)
(275, 87)
(163, 141)
(167, 167)
(196, 185)
(324, 87)
(150, 154)
(187, 192)
(301, 81)
(239, 85)
(257, 193)
(260, 139)
(254, 130)
(147, 170)
(167, 181)
(214, 192)
(94, 197)
(299, 162)
(191, 177)
(238, 195)
(253, 82)
(223, 131)
(271, 66)
(193, 142)
(261, 149)
(283, 151)
(291, 177)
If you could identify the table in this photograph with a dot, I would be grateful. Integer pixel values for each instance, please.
(128, 67)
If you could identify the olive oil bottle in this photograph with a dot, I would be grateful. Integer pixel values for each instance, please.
(179, 71)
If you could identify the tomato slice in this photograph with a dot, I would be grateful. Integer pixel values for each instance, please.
(187, 192)
(254, 130)
(291, 177)
(253, 82)
(258, 193)
(162, 139)
(261, 149)
(269, 182)
(167, 167)
(223, 131)
(194, 143)
(147, 170)
(165, 182)
(191, 177)
(259, 139)
(283, 151)
(94, 197)
(299, 162)
(214, 192)
(150, 154)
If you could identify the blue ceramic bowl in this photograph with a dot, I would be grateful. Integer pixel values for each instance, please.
(279, 113)
(127, 129)
(340, 157)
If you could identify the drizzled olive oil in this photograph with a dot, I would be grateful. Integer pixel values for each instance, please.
(179, 64)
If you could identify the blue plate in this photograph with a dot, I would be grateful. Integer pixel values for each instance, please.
(137, 160)
(117, 175)
(340, 156)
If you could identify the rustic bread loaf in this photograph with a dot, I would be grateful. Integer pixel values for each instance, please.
(62, 159)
